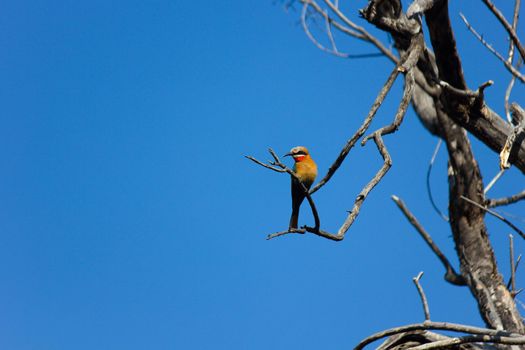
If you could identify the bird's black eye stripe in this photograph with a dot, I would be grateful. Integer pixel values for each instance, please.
(301, 153)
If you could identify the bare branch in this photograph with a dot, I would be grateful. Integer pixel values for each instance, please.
(492, 203)
(362, 129)
(305, 229)
(387, 163)
(304, 14)
(512, 266)
(407, 65)
(515, 17)
(451, 275)
(358, 33)
(507, 65)
(442, 344)
(493, 181)
(507, 26)
(422, 295)
(493, 213)
(444, 326)
(466, 93)
(282, 233)
(508, 92)
(265, 165)
(429, 188)
(401, 111)
(328, 26)
(510, 59)
(336, 24)
(367, 36)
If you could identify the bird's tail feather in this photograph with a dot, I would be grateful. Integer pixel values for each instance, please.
(294, 219)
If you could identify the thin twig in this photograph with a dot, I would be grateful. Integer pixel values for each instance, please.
(401, 110)
(282, 233)
(511, 59)
(493, 181)
(366, 36)
(508, 92)
(511, 285)
(451, 275)
(328, 26)
(492, 203)
(387, 163)
(362, 129)
(507, 97)
(512, 266)
(507, 65)
(336, 24)
(507, 26)
(304, 14)
(515, 17)
(493, 213)
(422, 295)
(265, 165)
(429, 188)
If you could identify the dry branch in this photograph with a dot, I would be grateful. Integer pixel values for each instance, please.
(444, 102)
(422, 296)
(360, 132)
(492, 203)
(443, 326)
(489, 47)
(508, 27)
(451, 275)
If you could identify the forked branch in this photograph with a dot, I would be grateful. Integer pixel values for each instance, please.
(277, 166)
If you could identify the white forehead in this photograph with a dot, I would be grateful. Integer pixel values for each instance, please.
(297, 149)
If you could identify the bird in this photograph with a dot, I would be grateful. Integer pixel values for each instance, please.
(306, 170)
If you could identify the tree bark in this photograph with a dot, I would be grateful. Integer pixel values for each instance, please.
(447, 113)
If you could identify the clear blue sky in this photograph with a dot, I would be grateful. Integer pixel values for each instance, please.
(130, 219)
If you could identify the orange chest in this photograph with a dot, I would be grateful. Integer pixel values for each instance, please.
(306, 170)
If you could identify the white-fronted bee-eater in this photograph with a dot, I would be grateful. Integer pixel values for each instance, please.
(306, 170)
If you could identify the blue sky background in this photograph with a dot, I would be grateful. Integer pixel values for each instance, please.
(130, 219)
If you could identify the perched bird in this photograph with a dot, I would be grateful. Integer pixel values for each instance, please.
(306, 171)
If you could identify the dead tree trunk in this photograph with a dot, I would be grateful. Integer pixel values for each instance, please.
(436, 86)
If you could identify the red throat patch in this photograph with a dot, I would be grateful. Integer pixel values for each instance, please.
(299, 158)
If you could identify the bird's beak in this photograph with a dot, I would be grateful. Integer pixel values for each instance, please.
(287, 155)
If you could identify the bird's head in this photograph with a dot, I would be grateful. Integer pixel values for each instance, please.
(298, 153)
